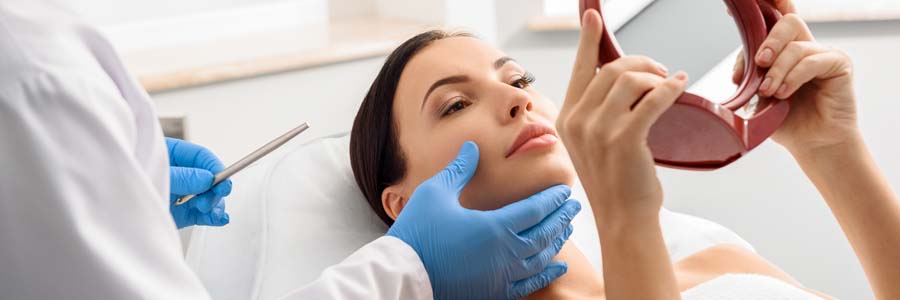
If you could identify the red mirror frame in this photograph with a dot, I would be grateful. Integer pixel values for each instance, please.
(699, 134)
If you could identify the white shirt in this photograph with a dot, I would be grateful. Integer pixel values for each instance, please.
(386, 268)
(84, 180)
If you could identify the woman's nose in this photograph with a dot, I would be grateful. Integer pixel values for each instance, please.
(519, 105)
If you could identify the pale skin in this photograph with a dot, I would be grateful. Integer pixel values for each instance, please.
(605, 144)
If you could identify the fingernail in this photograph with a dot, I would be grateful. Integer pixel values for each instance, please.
(662, 69)
(587, 19)
(781, 90)
(681, 76)
(765, 56)
(766, 84)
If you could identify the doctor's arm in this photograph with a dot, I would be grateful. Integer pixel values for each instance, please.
(82, 202)
(386, 269)
(821, 133)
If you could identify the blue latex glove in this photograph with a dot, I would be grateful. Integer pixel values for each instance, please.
(499, 254)
(191, 171)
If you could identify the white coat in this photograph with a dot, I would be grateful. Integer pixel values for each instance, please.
(84, 180)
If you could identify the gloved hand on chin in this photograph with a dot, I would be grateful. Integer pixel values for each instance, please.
(500, 254)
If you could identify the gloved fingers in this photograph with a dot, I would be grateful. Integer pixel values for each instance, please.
(216, 217)
(194, 217)
(183, 215)
(528, 286)
(529, 212)
(189, 181)
(207, 160)
(542, 235)
(187, 154)
(204, 202)
(180, 214)
(182, 223)
(182, 153)
(538, 262)
(458, 173)
(222, 189)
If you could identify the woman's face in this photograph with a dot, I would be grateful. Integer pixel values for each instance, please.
(461, 89)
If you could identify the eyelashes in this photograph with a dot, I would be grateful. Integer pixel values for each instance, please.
(459, 103)
(524, 81)
(456, 105)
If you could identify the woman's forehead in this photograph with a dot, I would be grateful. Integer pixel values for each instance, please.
(453, 55)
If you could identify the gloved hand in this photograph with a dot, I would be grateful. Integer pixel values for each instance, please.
(500, 254)
(191, 171)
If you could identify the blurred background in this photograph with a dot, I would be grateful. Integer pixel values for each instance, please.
(233, 74)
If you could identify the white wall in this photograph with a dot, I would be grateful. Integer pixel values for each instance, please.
(113, 12)
(764, 197)
(109, 12)
(235, 118)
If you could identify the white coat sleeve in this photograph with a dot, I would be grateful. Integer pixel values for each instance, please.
(385, 269)
(82, 214)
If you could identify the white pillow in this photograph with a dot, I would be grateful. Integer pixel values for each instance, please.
(298, 211)
(293, 214)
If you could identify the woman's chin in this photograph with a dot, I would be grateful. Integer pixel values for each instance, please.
(517, 180)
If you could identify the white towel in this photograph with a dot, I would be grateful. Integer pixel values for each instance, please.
(747, 287)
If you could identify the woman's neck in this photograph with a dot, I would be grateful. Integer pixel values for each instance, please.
(581, 281)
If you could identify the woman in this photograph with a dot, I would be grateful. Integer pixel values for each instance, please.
(438, 90)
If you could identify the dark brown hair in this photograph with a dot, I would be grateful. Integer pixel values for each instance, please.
(375, 154)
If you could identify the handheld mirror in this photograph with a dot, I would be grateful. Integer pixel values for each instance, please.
(699, 134)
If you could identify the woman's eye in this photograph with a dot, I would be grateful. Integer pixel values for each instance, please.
(457, 105)
(524, 81)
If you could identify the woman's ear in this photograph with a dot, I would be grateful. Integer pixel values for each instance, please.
(393, 199)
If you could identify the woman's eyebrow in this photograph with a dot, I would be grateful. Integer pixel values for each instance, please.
(439, 83)
(460, 79)
(502, 61)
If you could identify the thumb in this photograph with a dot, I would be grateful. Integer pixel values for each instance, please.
(785, 6)
(738, 74)
(189, 181)
(458, 173)
(592, 26)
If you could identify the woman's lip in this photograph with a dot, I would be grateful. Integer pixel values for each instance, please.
(529, 132)
(540, 141)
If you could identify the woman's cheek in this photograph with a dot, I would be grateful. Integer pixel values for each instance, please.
(471, 127)
(546, 109)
